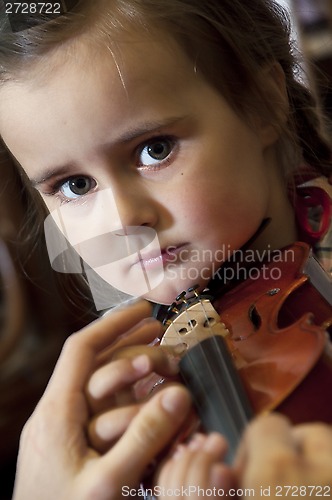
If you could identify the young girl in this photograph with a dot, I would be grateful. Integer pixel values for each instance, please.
(178, 119)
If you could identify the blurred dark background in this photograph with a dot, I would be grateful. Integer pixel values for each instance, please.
(36, 314)
(312, 21)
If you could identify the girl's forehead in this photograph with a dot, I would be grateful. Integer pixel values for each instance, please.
(133, 58)
(134, 80)
(142, 59)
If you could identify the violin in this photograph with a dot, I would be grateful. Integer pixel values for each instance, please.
(264, 345)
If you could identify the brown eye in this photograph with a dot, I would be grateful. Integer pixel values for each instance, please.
(77, 186)
(155, 151)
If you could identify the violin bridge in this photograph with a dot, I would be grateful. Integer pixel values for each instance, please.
(196, 323)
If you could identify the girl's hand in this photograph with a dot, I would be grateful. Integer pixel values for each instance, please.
(123, 381)
(275, 459)
(285, 460)
(196, 470)
(56, 460)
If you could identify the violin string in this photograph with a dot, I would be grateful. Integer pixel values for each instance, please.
(195, 367)
(224, 365)
(208, 364)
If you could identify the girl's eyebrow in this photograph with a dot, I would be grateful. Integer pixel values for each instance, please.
(48, 174)
(128, 136)
(147, 128)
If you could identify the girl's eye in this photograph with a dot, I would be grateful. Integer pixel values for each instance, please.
(77, 186)
(155, 151)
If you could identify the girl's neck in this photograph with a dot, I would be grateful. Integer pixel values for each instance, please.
(282, 228)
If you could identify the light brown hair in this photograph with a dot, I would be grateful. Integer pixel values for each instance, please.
(229, 42)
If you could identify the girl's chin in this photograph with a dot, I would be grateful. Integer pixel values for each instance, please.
(162, 289)
(167, 291)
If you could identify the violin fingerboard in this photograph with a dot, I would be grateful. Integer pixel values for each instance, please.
(208, 371)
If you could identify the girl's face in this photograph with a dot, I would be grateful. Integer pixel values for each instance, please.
(144, 145)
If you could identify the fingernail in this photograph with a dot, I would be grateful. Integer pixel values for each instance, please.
(178, 451)
(196, 442)
(211, 443)
(174, 401)
(180, 348)
(141, 363)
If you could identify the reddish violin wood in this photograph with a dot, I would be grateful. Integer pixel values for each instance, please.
(279, 338)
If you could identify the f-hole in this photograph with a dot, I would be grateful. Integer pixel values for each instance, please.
(255, 317)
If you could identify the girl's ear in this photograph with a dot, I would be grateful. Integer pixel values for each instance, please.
(273, 121)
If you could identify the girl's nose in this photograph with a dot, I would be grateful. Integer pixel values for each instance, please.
(135, 207)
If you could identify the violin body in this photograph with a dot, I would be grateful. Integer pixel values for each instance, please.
(277, 338)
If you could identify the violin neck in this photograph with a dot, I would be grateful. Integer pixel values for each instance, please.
(217, 391)
(209, 371)
(319, 278)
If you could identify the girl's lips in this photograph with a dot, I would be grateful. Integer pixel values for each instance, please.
(155, 259)
(171, 254)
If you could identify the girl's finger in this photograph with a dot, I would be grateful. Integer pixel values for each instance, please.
(205, 454)
(149, 432)
(129, 366)
(147, 332)
(117, 375)
(79, 354)
(315, 443)
(164, 360)
(106, 428)
(269, 453)
(196, 466)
